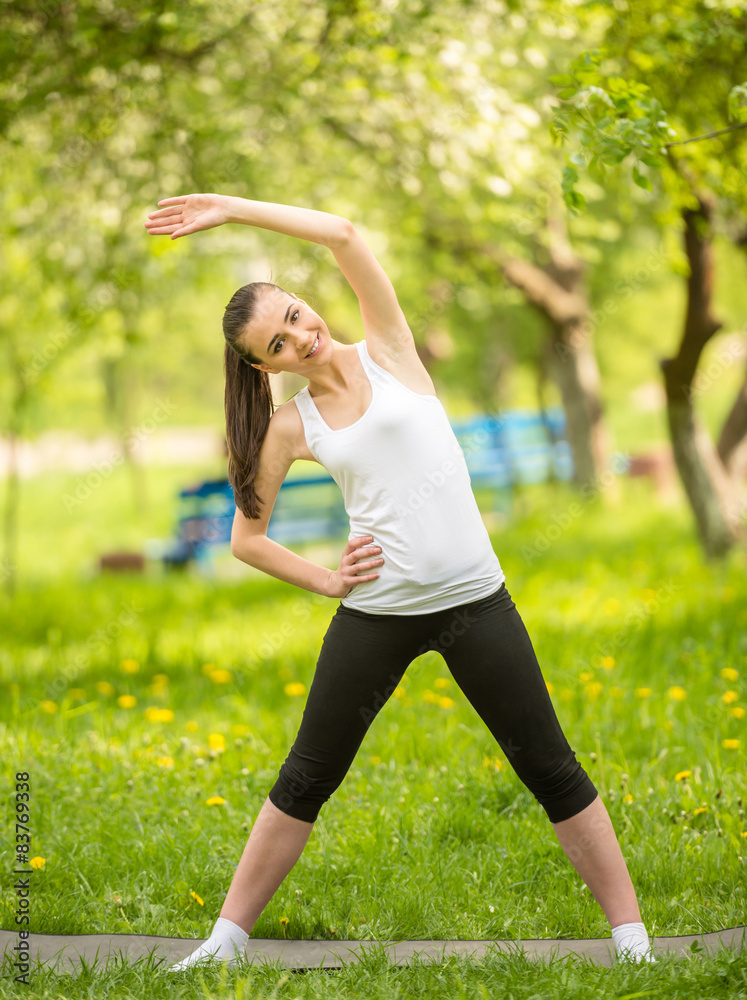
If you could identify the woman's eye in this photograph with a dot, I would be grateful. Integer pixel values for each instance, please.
(293, 315)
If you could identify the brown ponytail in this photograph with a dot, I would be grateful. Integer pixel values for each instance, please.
(248, 399)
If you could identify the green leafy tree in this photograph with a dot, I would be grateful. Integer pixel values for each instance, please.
(660, 72)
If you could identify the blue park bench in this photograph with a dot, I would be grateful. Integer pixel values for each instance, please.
(512, 448)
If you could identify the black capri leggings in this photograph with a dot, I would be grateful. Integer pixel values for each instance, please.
(490, 655)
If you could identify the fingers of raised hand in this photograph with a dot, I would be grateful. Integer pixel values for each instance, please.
(159, 230)
(164, 213)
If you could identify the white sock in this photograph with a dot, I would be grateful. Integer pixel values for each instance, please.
(226, 943)
(631, 943)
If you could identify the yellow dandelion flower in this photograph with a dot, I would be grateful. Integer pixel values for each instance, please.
(154, 714)
(192, 726)
(611, 606)
(48, 706)
(195, 896)
(677, 693)
(681, 775)
(729, 674)
(284, 921)
(608, 662)
(441, 683)
(642, 692)
(38, 863)
(585, 676)
(446, 702)
(214, 800)
(593, 690)
(165, 762)
(216, 740)
(294, 689)
(494, 762)
(104, 687)
(550, 687)
(627, 799)
(743, 833)
(375, 760)
(730, 744)
(616, 692)
(399, 691)
(129, 666)
(737, 712)
(127, 701)
(160, 678)
(430, 696)
(221, 677)
(729, 697)
(699, 810)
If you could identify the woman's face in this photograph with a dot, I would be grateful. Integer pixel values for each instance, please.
(283, 332)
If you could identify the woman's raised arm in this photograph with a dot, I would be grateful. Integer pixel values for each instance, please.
(191, 213)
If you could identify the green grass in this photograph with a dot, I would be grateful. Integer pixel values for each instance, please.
(426, 837)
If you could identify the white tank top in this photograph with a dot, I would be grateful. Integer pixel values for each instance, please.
(404, 480)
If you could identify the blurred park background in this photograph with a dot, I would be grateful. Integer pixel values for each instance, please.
(557, 191)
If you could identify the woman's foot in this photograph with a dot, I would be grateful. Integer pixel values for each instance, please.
(632, 943)
(226, 944)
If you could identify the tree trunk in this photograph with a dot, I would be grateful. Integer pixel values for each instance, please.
(703, 475)
(119, 382)
(573, 364)
(8, 568)
(732, 442)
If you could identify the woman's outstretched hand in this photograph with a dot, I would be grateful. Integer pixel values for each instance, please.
(187, 214)
(355, 559)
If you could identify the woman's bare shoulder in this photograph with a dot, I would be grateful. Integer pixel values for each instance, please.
(286, 421)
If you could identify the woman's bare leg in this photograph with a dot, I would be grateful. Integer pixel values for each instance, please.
(589, 840)
(275, 843)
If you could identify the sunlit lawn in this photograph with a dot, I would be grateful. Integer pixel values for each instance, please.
(153, 713)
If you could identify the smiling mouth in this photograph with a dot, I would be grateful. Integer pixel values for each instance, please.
(315, 348)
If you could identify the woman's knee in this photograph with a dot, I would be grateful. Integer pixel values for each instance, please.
(302, 793)
(559, 783)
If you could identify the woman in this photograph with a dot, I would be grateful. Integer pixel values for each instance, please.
(417, 573)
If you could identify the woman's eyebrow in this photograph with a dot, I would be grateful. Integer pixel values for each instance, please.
(285, 320)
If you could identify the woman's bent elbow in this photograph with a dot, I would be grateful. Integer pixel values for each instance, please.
(241, 548)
